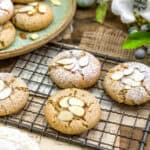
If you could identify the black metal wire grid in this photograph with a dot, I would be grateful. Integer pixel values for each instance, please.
(119, 124)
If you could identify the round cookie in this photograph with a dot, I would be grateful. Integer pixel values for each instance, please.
(13, 94)
(6, 11)
(74, 68)
(71, 111)
(7, 29)
(32, 17)
(23, 1)
(128, 83)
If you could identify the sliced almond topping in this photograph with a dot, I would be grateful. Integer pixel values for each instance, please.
(33, 4)
(64, 102)
(25, 9)
(137, 76)
(5, 93)
(69, 67)
(75, 102)
(77, 110)
(42, 9)
(56, 2)
(65, 116)
(76, 67)
(128, 71)
(34, 36)
(117, 75)
(127, 87)
(32, 12)
(2, 85)
(84, 61)
(136, 83)
(66, 61)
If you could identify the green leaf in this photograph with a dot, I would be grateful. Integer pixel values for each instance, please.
(101, 11)
(136, 40)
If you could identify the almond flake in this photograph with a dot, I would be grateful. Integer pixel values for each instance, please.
(5, 93)
(75, 102)
(69, 67)
(64, 102)
(2, 85)
(117, 75)
(137, 76)
(34, 36)
(128, 81)
(128, 71)
(77, 110)
(65, 116)
(33, 4)
(66, 61)
(127, 87)
(25, 9)
(84, 61)
(56, 2)
(32, 12)
(42, 9)
(75, 68)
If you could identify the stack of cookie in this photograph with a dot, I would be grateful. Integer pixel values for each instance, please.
(27, 15)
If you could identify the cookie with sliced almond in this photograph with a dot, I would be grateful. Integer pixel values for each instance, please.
(32, 16)
(13, 94)
(124, 79)
(71, 111)
(75, 68)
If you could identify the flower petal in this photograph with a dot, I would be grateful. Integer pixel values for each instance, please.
(146, 13)
(124, 8)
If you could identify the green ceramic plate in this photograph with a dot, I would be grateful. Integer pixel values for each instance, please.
(63, 14)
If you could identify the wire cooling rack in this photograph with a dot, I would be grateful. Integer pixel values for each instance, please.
(121, 127)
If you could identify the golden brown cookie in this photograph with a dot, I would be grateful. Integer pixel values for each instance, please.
(72, 111)
(74, 68)
(32, 17)
(7, 29)
(13, 94)
(6, 11)
(23, 1)
(128, 83)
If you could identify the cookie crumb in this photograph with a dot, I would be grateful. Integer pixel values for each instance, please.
(34, 36)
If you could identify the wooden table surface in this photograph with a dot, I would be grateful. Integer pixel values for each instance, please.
(83, 21)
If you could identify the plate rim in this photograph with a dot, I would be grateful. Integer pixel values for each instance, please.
(4, 54)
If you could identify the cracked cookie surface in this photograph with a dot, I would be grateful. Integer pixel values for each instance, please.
(6, 11)
(72, 111)
(128, 83)
(33, 16)
(7, 29)
(74, 68)
(13, 94)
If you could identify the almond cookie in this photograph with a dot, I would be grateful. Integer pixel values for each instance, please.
(13, 94)
(74, 68)
(7, 29)
(71, 111)
(32, 17)
(23, 1)
(6, 11)
(13, 139)
(128, 83)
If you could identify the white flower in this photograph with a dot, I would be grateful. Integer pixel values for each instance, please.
(124, 8)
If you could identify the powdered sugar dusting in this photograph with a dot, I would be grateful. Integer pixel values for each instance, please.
(86, 68)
